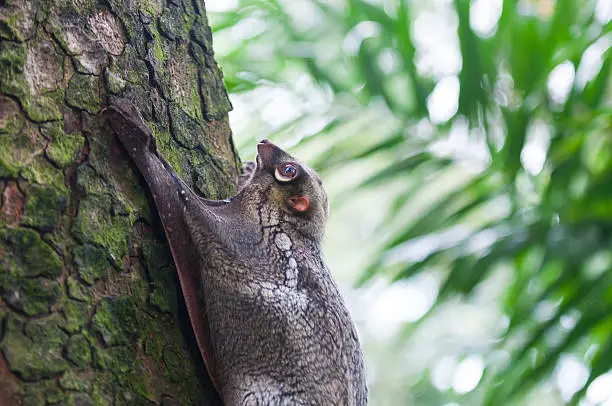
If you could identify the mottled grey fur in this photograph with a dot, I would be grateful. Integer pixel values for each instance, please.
(277, 329)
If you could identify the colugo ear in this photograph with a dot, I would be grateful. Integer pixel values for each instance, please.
(299, 203)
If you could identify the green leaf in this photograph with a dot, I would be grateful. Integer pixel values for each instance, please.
(471, 93)
(402, 166)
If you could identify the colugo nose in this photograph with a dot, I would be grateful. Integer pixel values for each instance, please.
(268, 153)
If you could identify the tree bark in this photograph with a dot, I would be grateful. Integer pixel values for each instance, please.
(90, 309)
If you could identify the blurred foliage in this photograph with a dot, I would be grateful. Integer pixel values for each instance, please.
(525, 151)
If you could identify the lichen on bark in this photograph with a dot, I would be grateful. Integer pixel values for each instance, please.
(88, 292)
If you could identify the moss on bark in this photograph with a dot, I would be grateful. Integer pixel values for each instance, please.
(88, 292)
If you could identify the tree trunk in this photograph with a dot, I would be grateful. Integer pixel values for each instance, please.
(90, 309)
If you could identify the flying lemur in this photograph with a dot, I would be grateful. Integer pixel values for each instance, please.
(269, 320)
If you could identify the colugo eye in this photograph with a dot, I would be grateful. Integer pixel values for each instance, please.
(286, 172)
